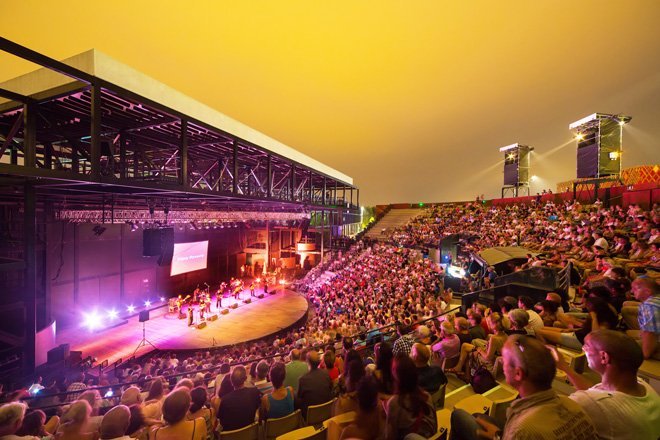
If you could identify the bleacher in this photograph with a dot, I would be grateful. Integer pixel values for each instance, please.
(395, 218)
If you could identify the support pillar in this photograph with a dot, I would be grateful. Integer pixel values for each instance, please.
(183, 151)
(95, 133)
(30, 288)
(30, 135)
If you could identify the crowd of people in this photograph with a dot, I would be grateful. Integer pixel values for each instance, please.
(383, 335)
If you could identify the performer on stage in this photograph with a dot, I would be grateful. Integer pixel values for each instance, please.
(190, 315)
(252, 290)
(201, 312)
(218, 298)
(207, 303)
(265, 288)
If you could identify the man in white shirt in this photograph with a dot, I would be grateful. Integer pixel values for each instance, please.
(621, 406)
(535, 321)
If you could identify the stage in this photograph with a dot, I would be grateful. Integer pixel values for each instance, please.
(166, 331)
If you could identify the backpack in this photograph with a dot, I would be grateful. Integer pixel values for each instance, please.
(482, 380)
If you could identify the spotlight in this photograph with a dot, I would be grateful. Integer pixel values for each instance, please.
(91, 320)
(579, 137)
(622, 122)
(534, 178)
(162, 299)
(511, 156)
(613, 155)
(112, 314)
(131, 308)
(147, 303)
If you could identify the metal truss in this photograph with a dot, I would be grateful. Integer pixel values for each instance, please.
(111, 139)
(176, 217)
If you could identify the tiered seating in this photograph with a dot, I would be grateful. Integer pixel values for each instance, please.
(392, 220)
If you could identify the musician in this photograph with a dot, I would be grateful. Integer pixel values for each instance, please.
(190, 315)
(252, 290)
(207, 303)
(195, 293)
(265, 288)
(201, 312)
(218, 298)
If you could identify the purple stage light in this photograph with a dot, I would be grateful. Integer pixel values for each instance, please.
(162, 299)
(112, 314)
(147, 303)
(131, 308)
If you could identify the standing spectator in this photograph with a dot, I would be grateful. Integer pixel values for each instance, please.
(315, 386)
(410, 410)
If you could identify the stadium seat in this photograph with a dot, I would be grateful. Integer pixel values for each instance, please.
(306, 433)
(443, 417)
(493, 402)
(439, 397)
(336, 424)
(277, 427)
(250, 432)
(317, 414)
(650, 372)
(453, 397)
(575, 359)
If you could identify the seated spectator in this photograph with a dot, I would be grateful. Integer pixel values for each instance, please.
(615, 404)
(280, 402)
(476, 329)
(262, 383)
(74, 422)
(115, 424)
(449, 346)
(93, 397)
(329, 364)
(462, 330)
(314, 387)
(423, 335)
(601, 315)
(383, 371)
(539, 413)
(405, 340)
(472, 358)
(131, 396)
(647, 292)
(294, 370)
(138, 427)
(549, 313)
(410, 410)
(347, 399)
(154, 400)
(175, 409)
(431, 377)
(200, 408)
(535, 322)
(369, 423)
(34, 424)
(11, 419)
(78, 384)
(519, 320)
(238, 408)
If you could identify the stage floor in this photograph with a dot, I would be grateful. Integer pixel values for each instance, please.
(258, 319)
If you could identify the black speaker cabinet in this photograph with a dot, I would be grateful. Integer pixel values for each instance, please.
(144, 316)
(158, 242)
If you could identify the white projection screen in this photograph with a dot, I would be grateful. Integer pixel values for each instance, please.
(188, 257)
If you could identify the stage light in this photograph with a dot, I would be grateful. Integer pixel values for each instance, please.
(162, 299)
(282, 282)
(579, 137)
(534, 178)
(258, 280)
(91, 320)
(613, 155)
(147, 303)
(622, 123)
(112, 314)
(456, 271)
(131, 308)
(511, 156)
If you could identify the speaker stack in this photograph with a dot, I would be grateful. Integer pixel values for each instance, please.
(201, 325)
(158, 242)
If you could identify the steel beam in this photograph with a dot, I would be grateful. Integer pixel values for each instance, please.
(183, 149)
(234, 184)
(95, 133)
(30, 287)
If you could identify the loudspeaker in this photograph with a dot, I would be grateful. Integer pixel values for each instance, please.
(516, 165)
(247, 301)
(233, 306)
(260, 296)
(55, 355)
(75, 357)
(144, 316)
(212, 317)
(158, 242)
(201, 325)
(225, 311)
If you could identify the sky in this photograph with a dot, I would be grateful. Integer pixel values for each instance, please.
(410, 98)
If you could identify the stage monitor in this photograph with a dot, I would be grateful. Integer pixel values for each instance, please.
(188, 257)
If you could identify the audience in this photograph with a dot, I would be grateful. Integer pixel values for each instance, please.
(315, 386)
(369, 423)
(177, 426)
(280, 402)
(238, 408)
(430, 377)
(115, 424)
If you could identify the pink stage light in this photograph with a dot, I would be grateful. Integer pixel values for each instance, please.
(131, 308)
(112, 314)
(147, 303)
(162, 299)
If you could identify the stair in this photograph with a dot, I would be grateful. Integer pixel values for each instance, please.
(393, 219)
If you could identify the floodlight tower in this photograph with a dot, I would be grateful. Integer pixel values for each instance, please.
(516, 169)
(599, 142)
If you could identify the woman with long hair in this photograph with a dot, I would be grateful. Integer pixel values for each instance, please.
(200, 408)
(383, 371)
(74, 422)
(410, 410)
(369, 422)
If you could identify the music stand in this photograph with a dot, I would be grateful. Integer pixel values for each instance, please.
(144, 317)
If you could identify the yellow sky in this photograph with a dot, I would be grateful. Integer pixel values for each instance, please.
(410, 98)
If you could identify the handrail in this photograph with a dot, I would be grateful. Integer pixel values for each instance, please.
(206, 370)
